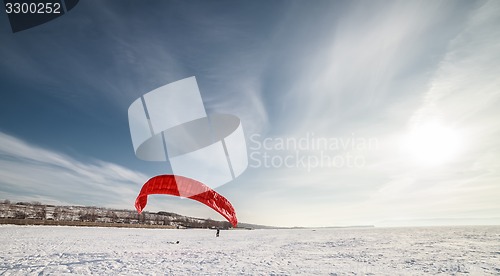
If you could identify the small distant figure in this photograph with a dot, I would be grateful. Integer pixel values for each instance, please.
(217, 233)
(177, 242)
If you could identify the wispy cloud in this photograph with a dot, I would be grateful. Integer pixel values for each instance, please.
(360, 67)
(371, 78)
(466, 81)
(463, 93)
(31, 172)
(111, 59)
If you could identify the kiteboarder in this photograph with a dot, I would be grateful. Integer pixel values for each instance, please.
(217, 233)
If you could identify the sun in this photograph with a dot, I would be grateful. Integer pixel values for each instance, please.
(432, 144)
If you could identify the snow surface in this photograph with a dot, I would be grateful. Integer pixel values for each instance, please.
(63, 250)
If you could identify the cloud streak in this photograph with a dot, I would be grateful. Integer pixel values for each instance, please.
(30, 172)
(369, 79)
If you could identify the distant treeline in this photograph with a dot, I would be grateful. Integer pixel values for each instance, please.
(45, 214)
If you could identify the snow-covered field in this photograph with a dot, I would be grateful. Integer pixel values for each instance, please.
(365, 251)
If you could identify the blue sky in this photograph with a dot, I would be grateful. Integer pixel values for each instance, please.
(421, 78)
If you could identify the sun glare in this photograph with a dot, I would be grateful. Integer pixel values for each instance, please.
(432, 144)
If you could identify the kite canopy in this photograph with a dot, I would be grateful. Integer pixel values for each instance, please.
(176, 185)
